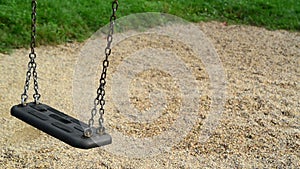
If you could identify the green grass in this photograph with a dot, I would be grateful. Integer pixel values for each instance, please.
(76, 20)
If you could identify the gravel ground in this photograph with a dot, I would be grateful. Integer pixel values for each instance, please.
(259, 128)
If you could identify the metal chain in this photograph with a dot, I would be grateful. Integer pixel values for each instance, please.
(99, 100)
(32, 64)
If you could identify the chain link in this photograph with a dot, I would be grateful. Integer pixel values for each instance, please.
(99, 100)
(32, 64)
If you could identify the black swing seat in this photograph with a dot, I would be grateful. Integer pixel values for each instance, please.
(59, 125)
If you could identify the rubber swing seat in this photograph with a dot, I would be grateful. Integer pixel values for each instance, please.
(59, 125)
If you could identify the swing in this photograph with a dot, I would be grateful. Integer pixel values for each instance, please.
(56, 123)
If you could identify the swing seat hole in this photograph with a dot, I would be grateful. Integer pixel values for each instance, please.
(56, 117)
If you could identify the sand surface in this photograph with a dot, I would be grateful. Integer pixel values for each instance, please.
(259, 127)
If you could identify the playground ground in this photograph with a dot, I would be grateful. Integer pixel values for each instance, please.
(259, 127)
